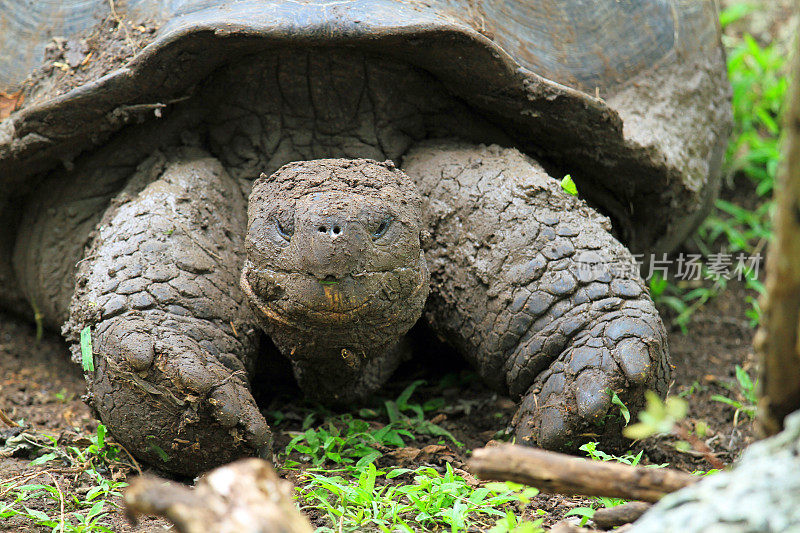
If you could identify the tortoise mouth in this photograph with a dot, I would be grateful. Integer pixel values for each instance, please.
(298, 298)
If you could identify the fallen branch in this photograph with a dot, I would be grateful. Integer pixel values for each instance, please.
(620, 515)
(246, 496)
(564, 474)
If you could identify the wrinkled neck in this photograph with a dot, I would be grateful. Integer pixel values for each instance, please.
(332, 373)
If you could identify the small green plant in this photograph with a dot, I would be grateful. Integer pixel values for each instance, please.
(78, 512)
(754, 311)
(683, 299)
(345, 440)
(667, 417)
(595, 454)
(693, 388)
(746, 390)
(64, 396)
(87, 357)
(623, 409)
(431, 500)
(658, 417)
(411, 416)
(512, 524)
(586, 513)
(569, 186)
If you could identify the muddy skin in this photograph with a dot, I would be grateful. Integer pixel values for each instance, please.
(530, 285)
(175, 284)
(334, 270)
(173, 339)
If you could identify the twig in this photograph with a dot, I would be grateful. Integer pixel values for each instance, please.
(60, 499)
(135, 462)
(6, 420)
(121, 24)
(564, 474)
(626, 513)
(698, 445)
(124, 110)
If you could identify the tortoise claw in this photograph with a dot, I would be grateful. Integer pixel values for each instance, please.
(623, 352)
(168, 399)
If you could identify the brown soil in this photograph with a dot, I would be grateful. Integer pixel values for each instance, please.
(42, 388)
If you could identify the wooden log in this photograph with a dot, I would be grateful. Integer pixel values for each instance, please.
(564, 474)
(620, 515)
(246, 497)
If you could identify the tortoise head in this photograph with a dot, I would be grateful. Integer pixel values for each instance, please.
(334, 264)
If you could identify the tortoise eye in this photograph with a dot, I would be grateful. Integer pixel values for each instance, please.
(285, 228)
(382, 227)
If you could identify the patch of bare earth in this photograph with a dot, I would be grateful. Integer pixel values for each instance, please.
(41, 388)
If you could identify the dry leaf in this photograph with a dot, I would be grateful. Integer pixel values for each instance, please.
(404, 456)
(434, 449)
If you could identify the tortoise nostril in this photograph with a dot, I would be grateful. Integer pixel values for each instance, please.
(337, 230)
(323, 229)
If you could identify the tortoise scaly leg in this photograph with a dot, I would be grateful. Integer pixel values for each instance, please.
(529, 284)
(159, 290)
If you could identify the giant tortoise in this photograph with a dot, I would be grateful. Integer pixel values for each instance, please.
(401, 158)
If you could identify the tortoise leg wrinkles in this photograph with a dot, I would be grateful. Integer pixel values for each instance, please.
(172, 338)
(534, 290)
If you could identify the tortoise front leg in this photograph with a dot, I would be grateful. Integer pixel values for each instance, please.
(531, 287)
(172, 338)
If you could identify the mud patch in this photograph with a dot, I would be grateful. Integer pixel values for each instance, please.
(87, 56)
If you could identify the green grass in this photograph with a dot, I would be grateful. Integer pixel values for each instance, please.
(347, 490)
(683, 298)
(335, 460)
(402, 499)
(345, 440)
(746, 391)
(594, 453)
(758, 75)
(77, 511)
